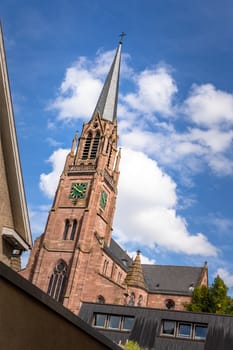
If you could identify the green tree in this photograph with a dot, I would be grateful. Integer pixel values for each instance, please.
(200, 300)
(212, 299)
(131, 345)
(220, 302)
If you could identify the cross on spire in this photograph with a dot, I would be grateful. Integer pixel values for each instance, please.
(122, 36)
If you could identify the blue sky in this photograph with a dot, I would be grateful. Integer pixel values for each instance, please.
(175, 115)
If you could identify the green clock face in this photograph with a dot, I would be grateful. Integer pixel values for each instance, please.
(103, 199)
(78, 190)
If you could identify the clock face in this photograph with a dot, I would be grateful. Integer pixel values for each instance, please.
(103, 199)
(78, 190)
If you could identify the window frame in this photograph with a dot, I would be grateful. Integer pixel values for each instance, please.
(107, 326)
(180, 335)
(176, 334)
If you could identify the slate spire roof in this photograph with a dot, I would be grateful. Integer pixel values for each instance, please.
(134, 276)
(107, 103)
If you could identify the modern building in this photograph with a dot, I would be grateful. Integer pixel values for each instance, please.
(76, 259)
(30, 319)
(15, 234)
(157, 329)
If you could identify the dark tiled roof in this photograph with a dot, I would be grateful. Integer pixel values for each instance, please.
(147, 325)
(118, 254)
(165, 278)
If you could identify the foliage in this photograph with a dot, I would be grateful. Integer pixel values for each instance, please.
(131, 345)
(212, 299)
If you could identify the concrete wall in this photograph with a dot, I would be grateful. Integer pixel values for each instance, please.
(30, 320)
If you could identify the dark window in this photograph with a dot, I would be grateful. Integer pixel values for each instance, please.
(184, 330)
(105, 267)
(169, 328)
(108, 321)
(57, 281)
(114, 322)
(119, 277)
(100, 320)
(170, 304)
(200, 331)
(100, 299)
(73, 229)
(127, 323)
(87, 146)
(131, 299)
(66, 229)
(95, 146)
(140, 299)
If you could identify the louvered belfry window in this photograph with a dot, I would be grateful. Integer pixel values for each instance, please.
(87, 146)
(95, 145)
(91, 145)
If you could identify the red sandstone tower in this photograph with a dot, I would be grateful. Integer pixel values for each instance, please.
(67, 260)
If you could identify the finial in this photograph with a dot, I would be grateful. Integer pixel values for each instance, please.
(74, 142)
(121, 37)
(138, 252)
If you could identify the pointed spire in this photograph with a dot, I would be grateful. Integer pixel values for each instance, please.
(107, 103)
(135, 276)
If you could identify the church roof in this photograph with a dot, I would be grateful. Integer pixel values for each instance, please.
(157, 278)
(169, 278)
(118, 254)
(107, 103)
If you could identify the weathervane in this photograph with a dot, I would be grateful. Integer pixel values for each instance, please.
(122, 36)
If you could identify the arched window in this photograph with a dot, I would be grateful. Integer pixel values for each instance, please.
(113, 270)
(66, 229)
(57, 281)
(170, 304)
(100, 299)
(95, 145)
(131, 299)
(72, 235)
(87, 146)
(119, 277)
(140, 299)
(105, 267)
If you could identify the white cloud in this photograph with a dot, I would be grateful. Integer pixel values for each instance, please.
(216, 140)
(146, 209)
(155, 92)
(144, 259)
(208, 106)
(38, 217)
(48, 182)
(78, 93)
(226, 276)
(142, 125)
(80, 89)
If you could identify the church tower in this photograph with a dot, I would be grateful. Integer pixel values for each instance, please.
(66, 261)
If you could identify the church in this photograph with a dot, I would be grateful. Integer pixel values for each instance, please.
(76, 260)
